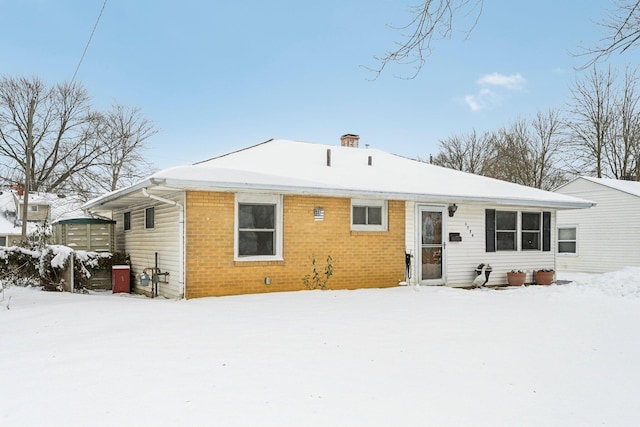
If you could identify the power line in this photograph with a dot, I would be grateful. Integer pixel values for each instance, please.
(89, 41)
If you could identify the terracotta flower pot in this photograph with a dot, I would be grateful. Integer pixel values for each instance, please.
(543, 277)
(516, 279)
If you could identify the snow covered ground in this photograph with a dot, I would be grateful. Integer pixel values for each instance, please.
(565, 355)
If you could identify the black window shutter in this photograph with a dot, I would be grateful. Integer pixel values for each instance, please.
(546, 231)
(490, 230)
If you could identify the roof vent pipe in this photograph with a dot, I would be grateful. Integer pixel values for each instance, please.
(370, 161)
(328, 156)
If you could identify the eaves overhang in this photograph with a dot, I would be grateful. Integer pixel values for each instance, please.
(108, 201)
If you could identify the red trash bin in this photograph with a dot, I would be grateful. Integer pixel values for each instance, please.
(121, 278)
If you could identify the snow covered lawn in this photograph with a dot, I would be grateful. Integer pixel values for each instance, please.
(559, 355)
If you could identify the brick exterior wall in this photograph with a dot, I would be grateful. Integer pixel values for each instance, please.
(360, 259)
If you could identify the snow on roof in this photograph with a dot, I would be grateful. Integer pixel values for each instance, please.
(8, 224)
(66, 207)
(60, 207)
(299, 167)
(631, 187)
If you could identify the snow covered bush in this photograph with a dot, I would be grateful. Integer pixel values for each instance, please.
(19, 266)
(41, 235)
(44, 265)
(51, 264)
(87, 263)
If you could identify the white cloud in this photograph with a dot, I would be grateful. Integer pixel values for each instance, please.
(512, 82)
(491, 87)
(472, 102)
(485, 98)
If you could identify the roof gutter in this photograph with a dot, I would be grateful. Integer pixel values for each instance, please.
(102, 200)
(183, 184)
(182, 240)
(287, 189)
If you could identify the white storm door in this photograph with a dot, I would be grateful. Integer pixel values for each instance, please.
(431, 247)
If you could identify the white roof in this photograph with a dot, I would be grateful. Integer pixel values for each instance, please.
(8, 223)
(291, 167)
(60, 208)
(631, 187)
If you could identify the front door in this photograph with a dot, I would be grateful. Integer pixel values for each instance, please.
(432, 246)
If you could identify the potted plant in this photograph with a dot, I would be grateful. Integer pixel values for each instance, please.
(516, 277)
(543, 277)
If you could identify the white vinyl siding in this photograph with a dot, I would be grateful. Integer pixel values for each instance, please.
(608, 237)
(142, 244)
(411, 238)
(463, 257)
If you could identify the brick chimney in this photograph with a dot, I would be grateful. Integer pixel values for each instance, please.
(349, 140)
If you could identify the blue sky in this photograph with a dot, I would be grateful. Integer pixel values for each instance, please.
(218, 76)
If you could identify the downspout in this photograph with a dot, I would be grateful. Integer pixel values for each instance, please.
(181, 246)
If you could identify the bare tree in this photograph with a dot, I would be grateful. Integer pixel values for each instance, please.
(469, 152)
(622, 31)
(526, 153)
(431, 20)
(436, 19)
(47, 134)
(624, 148)
(123, 134)
(547, 143)
(512, 158)
(592, 121)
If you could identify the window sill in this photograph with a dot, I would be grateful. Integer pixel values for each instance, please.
(253, 262)
(366, 232)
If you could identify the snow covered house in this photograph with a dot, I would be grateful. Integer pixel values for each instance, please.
(254, 220)
(10, 228)
(605, 237)
(43, 209)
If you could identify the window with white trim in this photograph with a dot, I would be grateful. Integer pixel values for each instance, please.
(258, 221)
(368, 215)
(503, 228)
(150, 217)
(531, 231)
(567, 240)
(126, 219)
(506, 230)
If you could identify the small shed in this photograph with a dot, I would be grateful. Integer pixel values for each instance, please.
(85, 234)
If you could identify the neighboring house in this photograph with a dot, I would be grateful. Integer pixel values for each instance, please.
(37, 210)
(605, 237)
(10, 226)
(42, 210)
(252, 221)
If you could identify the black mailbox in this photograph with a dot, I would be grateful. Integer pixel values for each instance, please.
(455, 237)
